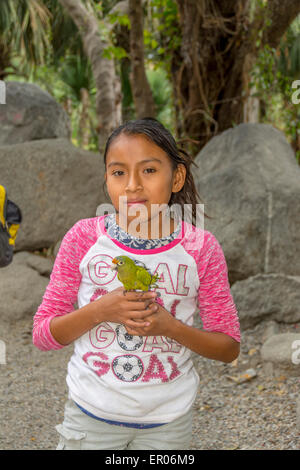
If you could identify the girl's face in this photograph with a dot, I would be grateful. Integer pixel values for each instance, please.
(140, 170)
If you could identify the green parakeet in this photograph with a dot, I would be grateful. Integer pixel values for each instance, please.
(133, 276)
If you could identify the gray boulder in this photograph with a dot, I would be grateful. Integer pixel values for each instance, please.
(55, 184)
(271, 329)
(249, 180)
(31, 113)
(39, 263)
(298, 414)
(267, 297)
(281, 355)
(22, 286)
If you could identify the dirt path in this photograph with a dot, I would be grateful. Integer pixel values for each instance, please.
(259, 414)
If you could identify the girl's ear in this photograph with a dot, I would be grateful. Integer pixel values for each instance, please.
(179, 178)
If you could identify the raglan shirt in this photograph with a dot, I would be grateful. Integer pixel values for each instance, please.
(125, 378)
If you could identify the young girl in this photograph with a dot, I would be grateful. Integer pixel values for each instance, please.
(131, 379)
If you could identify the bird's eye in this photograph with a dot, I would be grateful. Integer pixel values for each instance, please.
(121, 262)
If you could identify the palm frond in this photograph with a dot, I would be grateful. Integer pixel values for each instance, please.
(289, 51)
(23, 28)
(295, 57)
(76, 73)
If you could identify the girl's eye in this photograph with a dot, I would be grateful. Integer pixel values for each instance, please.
(117, 172)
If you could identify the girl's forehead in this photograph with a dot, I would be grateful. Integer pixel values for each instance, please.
(134, 145)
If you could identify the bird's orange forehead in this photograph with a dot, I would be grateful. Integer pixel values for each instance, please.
(115, 261)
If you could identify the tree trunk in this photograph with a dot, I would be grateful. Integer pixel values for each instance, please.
(281, 14)
(211, 72)
(141, 91)
(83, 132)
(122, 39)
(252, 107)
(108, 96)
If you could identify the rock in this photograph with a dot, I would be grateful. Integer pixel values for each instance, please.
(31, 113)
(247, 375)
(56, 185)
(298, 414)
(21, 289)
(272, 329)
(281, 355)
(39, 263)
(56, 248)
(267, 296)
(248, 179)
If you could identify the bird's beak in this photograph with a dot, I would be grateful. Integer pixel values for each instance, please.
(114, 264)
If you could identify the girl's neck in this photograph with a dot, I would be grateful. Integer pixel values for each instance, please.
(159, 228)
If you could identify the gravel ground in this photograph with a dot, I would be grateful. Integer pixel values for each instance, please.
(256, 415)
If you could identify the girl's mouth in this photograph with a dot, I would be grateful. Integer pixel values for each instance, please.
(130, 203)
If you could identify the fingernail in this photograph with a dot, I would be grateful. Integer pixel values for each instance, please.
(147, 324)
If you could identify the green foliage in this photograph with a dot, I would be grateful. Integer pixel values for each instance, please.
(162, 95)
(23, 32)
(63, 34)
(114, 52)
(42, 43)
(105, 5)
(128, 111)
(76, 73)
(59, 64)
(123, 20)
(161, 36)
(160, 39)
(289, 59)
(273, 76)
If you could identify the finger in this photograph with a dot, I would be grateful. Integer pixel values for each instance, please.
(134, 331)
(137, 296)
(136, 326)
(143, 313)
(138, 305)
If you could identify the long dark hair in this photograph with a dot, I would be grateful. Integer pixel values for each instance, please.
(158, 134)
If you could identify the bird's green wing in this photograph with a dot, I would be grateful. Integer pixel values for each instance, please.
(127, 274)
(143, 276)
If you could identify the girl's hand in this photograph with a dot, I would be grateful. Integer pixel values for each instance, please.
(158, 323)
(130, 309)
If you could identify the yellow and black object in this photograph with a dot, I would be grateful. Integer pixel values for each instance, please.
(10, 220)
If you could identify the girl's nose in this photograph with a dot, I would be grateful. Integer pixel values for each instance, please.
(133, 183)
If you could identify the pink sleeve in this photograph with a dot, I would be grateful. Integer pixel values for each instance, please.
(61, 292)
(216, 306)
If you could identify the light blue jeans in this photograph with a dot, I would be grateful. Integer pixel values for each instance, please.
(82, 432)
